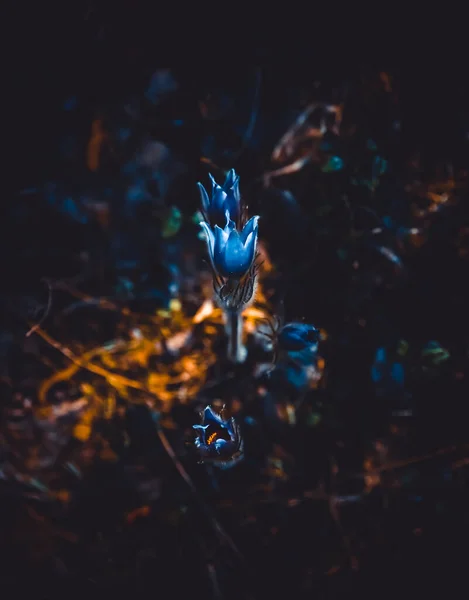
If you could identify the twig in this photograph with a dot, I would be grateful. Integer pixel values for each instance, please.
(413, 460)
(82, 363)
(294, 167)
(334, 512)
(85, 298)
(224, 537)
(212, 165)
(46, 312)
(212, 573)
(287, 139)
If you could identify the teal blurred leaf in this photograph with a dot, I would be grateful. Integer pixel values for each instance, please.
(334, 163)
(172, 223)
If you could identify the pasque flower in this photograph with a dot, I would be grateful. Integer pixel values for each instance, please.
(218, 440)
(295, 337)
(231, 244)
(296, 343)
(232, 253)
(224, 198)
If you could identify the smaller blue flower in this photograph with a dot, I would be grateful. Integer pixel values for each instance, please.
(232, 253)
(388, 372)
(295, 337)
(218, 440)
(223, 198)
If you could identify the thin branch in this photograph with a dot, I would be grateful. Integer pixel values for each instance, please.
(83, 363)
(86, 299)
(224, 537)
(46, 312)
(414, 460)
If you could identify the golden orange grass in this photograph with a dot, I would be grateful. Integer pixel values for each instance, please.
(169, 330)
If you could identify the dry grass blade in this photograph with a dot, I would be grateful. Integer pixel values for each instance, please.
(221, 533)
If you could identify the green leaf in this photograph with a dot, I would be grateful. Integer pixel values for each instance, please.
(173, 222)
(334, 163)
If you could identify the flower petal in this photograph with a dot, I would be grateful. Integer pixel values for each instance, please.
(209, 236)
(204, 197)
(235, 190)
(230, 225)
(229, 180)
(221, 237)
(250, 246)
(214, 183)
(233, 205)
(201, 433)
(218, 200)
(234, 260)
(224, 447)
(210, 416)
(250, 227)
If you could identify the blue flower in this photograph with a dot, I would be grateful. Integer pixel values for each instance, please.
(218, 440)
(387, 371)
(295, 337)
(232, 253)
(224, 198)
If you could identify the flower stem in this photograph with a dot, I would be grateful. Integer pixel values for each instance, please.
(234, 330)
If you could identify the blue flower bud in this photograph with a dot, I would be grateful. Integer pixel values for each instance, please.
(295, 337)
(218, 440)
(223, 198)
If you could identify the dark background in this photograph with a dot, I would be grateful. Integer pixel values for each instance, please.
(101, 53)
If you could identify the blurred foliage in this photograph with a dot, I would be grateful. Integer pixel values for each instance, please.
(355, 444)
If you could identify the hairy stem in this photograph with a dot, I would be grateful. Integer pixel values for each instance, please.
(234, 330)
